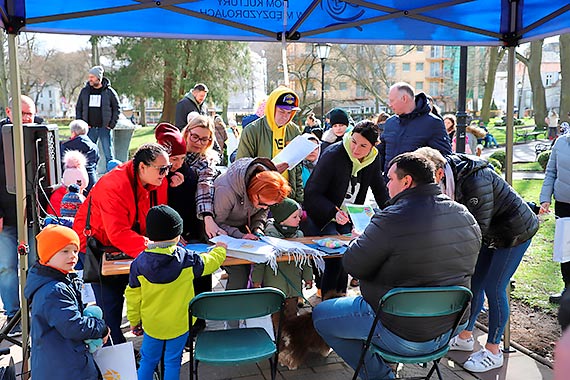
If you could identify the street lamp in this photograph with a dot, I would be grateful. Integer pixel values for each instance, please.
(322, 51)
(520, 88)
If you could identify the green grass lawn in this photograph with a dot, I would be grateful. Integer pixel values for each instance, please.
(537, 276)
(527, 167)
(499, 133)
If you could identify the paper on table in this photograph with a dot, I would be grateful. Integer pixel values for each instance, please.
(295, 151)
(254, 247)
(360, 216)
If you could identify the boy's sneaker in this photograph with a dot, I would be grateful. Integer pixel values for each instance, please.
(458, 344)
(483, 361)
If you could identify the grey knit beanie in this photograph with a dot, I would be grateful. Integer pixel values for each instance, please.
(97, 71)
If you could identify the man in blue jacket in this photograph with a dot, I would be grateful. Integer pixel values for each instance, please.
(98, 106)
(413, 125)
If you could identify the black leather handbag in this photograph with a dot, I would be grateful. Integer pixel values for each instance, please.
(93, 253)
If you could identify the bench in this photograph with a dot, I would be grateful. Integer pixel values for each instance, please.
(529, 131)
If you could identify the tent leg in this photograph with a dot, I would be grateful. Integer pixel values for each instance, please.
(461, 101)
(19, 169)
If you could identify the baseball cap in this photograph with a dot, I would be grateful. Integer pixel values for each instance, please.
(287, 102)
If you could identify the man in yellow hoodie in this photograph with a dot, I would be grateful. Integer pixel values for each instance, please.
(267, 136)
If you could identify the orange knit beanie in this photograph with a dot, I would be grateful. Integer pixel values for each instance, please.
(53, 239)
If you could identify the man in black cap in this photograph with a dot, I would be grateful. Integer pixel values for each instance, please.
(98, 106)
(267, 136)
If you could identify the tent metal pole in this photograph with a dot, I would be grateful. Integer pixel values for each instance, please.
(461, 101)
(509, 162)
(20, 170)
(284, 45)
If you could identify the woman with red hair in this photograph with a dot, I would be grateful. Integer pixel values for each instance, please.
(242, 198)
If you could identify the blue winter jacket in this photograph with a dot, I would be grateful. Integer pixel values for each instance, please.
(58, 327)
(408, 132)
(557, 178)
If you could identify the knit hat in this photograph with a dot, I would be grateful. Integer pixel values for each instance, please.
(338, 116)
(163, 223)
(97, 71)
(74, 169)
(170, 137)
(52, 239)
(283, 210)
(71, 201)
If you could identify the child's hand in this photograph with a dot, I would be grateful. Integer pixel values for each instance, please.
(177, 179)
(257, 284)
(220, 244)
(137, 330)
(308, 284)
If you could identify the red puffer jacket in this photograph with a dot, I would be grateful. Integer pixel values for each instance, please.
(113, 210)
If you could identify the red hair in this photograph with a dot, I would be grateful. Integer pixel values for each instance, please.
(269, 185)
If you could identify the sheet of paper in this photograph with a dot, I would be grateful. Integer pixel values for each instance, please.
(295, 151)
(253, 247)
(360, 216)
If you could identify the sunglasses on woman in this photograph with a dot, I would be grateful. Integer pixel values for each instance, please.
(162, 170)
(195, 138)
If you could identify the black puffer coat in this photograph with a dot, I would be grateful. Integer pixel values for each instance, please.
(504, 217)
(421, 239)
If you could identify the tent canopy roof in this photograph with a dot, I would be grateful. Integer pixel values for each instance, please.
(442, 22)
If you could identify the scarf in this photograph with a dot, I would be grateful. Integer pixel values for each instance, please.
(358, 165)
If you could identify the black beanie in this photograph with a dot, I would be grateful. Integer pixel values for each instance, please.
(163, 223)
(338, 116)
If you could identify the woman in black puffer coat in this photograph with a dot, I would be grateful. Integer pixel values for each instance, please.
(507, 225)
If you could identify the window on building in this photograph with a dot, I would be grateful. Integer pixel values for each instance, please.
(419, 85)
(360, 91)
(342, 86)
(434, 89)
(390, 69)
(49, 94)
(435, 52)
(419, 48)
(391, 50)
(406, 66)
(434, 70)
(549, 79)
(327, 86)
(419, 66)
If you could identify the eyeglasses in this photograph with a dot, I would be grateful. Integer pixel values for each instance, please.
(260, 203)
(195, 138)
(162, 170)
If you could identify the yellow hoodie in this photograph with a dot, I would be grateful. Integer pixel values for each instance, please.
(278, 132)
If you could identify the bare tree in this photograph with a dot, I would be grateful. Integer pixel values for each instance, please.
(32, 65)
(495, 56)
(565, 71)
(533, 63)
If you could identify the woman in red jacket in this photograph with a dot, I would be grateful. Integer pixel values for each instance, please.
(119, 204)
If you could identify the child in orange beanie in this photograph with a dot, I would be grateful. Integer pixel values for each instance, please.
(58, 327)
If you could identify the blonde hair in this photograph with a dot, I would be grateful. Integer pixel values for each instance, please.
(200, 121)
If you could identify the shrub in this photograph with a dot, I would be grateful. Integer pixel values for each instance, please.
(496, 165)
(499, 156)
(543, 159)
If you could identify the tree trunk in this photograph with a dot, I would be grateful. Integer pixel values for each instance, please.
(142, 110)
(565, 82)
(168, 103)
(95, 59)
(495, 57)
(538, 95)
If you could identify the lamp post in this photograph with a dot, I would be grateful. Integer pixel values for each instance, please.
(520, 88)
(322, 51)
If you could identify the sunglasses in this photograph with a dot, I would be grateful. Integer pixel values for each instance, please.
(260, 203)
(162, 170)
(195, 138)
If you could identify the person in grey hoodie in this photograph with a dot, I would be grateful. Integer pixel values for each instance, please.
(557, 184)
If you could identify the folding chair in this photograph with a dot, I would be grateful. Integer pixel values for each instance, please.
(236, 346)
(419, 303)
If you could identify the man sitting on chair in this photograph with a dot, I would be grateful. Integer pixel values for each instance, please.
(421, 239)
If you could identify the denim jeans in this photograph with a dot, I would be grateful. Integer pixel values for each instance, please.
(109, 295)
(344, 323)
(106, 141)
(151, 352)
(9, 270)
(493, 271)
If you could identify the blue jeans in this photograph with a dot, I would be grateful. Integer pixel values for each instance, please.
(493, 271)
(151, 352)
(9, 270)
(344, 323)
(106, 141)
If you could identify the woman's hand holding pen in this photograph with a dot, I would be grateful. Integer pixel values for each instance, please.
(341, 217)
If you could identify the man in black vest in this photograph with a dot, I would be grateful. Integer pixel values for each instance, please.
(191, 102)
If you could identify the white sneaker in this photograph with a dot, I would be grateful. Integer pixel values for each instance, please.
(458, 344)
(483, 361)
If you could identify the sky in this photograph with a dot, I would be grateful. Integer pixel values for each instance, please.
(63, 42)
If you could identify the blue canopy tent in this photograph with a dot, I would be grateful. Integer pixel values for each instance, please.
(430, 22)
